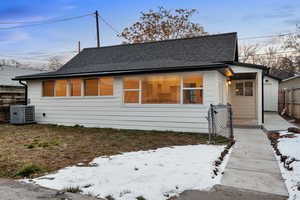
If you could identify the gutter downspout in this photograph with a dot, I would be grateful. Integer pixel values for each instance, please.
(26, 91)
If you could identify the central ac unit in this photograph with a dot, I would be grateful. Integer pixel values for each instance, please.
(22, 114)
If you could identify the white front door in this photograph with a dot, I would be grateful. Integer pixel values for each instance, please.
(243, 99)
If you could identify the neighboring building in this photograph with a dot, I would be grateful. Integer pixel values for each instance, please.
(11, 92)
(271, 88)
(290, 83)
(164, 85)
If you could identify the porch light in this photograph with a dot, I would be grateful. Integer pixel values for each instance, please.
(228, 82)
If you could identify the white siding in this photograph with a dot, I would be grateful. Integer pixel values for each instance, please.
(270, 94)
(110, 112)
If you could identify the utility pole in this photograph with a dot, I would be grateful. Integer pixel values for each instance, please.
(97, 28)
(78, 46)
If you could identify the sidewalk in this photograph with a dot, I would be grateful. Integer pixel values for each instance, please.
(13, 190)
(252, 165)
(274, 122)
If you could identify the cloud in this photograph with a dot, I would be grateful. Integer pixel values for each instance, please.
(13, 36)
(69, 7)
(294, 21)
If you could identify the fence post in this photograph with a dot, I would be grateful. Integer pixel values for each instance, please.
(229, 107)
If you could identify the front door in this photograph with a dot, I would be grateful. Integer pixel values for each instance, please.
(243, 99)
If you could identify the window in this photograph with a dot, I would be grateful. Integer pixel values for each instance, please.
(131, 90)
(248, 88)
(239, 89)
(244, 88)
(48, 88)
(161, 90)
(75, 87)
(164, 89)
(61, 88)
(91, 87)
(192, 89)
(106, 86)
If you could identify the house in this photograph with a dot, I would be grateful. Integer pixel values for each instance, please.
(163, 85)
(11, 92)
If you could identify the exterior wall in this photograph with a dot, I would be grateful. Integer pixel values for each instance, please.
(271, 94)
(240, 69)
(290, 84)
(110, 112)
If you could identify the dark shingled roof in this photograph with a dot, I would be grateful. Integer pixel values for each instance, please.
(198, 52)
(280, 74)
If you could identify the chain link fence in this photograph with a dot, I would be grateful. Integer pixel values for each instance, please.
(220, 121)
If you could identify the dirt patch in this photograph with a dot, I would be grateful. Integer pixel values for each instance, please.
(52, 147)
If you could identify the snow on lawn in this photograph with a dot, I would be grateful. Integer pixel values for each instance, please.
(154, 174)
(291, 148)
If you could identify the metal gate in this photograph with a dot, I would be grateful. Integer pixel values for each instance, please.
(220, 121)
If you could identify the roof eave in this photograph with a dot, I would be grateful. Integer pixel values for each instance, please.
(153, 70)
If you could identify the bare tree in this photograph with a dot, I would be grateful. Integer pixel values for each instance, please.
(248, 53)
(292, 42)
(162, 25)
(54, 63)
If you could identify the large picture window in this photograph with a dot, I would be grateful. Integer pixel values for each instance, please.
(164, 89)
(48, 88)
(161, 90)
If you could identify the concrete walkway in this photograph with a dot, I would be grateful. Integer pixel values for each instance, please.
(274, 122)
(13, 190)
(252, 165)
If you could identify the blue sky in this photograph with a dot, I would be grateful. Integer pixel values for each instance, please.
(247, 17)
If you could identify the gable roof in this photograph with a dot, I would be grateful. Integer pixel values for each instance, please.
(201, 52)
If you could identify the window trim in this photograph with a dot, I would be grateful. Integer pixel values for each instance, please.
(181, 76)
(134, 90)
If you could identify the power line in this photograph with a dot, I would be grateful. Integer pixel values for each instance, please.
(282, 52)
(45, 22)
(267, 36)
(109, 25)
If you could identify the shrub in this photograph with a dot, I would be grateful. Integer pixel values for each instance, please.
(28, 169)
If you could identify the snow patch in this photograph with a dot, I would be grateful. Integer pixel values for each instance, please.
(154, 174)
(291, 148)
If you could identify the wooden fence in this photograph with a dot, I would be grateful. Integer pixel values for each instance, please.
(289, 102)
(10, 95)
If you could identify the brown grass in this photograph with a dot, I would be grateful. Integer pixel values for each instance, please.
(52, 147)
